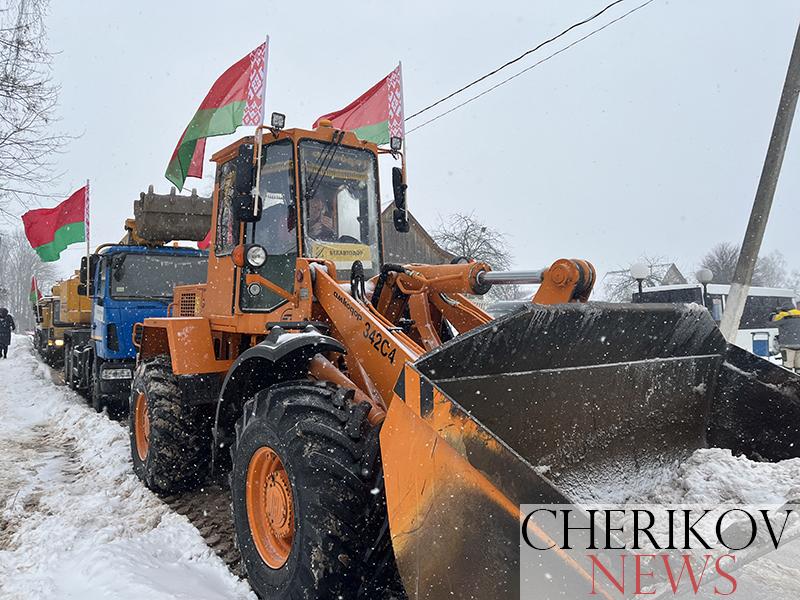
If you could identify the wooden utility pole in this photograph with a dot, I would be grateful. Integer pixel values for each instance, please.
(740, 286)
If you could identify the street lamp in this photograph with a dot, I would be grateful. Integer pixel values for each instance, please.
(639, 272)
(704, 276)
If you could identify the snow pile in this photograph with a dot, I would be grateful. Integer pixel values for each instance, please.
(714, 476)
(74, 520)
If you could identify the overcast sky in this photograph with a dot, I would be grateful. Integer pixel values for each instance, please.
(648, 137)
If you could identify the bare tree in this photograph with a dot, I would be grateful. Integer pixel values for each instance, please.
(18, 263)
(619, 285)
(721, 261)
(771, 270)
(793, 282)
(722, 258)
(465, 235)
(28, 99)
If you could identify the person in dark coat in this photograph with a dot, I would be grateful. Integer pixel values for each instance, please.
(6, 327)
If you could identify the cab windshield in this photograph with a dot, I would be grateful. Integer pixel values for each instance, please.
(154, 276)
(339, 191)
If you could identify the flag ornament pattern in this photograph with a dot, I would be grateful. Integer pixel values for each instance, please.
(395, 90)
(254, 108)
(376, 115)
(51, 230)
(236, 98)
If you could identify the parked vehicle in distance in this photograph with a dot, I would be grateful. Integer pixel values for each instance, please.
(47, 339)
(757, 332)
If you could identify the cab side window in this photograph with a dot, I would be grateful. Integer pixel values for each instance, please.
(227, 228)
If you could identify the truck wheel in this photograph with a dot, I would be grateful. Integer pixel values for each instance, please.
(68, 365)
(170, 439)
(306, 506)
(98, 400)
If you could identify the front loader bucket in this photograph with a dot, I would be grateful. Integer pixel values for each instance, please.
(561, 404)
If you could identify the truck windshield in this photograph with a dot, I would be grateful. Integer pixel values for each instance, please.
(758, 311)
(339, 191)
(154, 276)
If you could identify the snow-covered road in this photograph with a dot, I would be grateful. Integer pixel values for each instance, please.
(74, 520)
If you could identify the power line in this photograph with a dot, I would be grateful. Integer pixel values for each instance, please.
(519, 58)
(533, 66)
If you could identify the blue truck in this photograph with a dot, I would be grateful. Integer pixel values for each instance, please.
(128, 282)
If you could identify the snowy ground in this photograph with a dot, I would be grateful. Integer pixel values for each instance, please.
(74, 520)
(75, 523)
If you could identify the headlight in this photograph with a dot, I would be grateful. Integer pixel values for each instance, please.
(116, 374)
(255, 255)
(59, 342)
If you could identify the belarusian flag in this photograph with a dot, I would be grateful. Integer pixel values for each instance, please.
(50, 230)
(377, 115)
(36, 295)
(236, 98)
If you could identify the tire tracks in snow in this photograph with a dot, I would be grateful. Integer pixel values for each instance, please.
(72, 512)
(209, 510)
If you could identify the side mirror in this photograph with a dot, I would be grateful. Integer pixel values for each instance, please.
(86, 275)
(244, 208)
(400, 215)
(245, 174)
(243, 200)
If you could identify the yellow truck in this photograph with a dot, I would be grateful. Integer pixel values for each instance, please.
(47, 338)
(63, 310)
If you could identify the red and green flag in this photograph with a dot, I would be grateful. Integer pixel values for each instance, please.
(36, 295)
(236, 98)
(205, 243)
(377, 115)
(51, 230)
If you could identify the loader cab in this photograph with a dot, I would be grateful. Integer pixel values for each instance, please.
(318, 197)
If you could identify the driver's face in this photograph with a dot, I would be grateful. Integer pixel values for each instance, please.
(316, 208)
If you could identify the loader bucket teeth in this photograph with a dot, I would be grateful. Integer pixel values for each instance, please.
(570, 403)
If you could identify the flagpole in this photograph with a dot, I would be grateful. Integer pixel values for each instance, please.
(86, 223)
(260, 130)
(403, 125)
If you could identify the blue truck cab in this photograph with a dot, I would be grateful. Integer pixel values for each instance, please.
(127, 284)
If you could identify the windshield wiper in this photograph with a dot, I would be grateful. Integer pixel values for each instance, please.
(326, 158)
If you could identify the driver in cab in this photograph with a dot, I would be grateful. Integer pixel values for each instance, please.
(320, 216)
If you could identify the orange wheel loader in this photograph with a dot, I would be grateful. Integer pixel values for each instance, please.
(380, 430)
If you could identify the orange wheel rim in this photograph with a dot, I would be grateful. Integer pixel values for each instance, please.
(270, 507)
(142, 426)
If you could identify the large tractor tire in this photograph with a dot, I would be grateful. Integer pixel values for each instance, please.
(308, 502)
(170, 438)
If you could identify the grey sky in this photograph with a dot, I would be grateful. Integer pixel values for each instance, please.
(646, 138)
